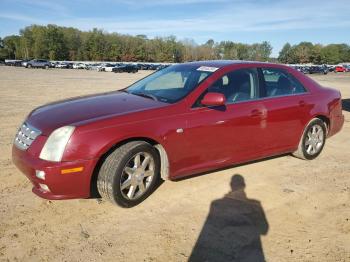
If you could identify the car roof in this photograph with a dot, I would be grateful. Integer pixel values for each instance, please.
(224, 63)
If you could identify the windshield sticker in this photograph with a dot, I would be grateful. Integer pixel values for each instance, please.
(207, 69)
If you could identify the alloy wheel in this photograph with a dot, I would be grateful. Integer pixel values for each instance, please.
(314, 140)
(137, 175)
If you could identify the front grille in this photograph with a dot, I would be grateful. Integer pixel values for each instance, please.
(25, 136)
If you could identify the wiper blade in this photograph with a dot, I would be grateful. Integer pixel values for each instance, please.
(145, 95)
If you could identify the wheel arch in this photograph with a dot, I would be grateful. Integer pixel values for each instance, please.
(164, 160)
(325, 119)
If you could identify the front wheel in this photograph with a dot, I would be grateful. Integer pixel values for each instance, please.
(129, 174)
(313, 140)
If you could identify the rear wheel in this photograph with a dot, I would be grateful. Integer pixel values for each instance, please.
(129, 174)
(29, 66)
(313, 140)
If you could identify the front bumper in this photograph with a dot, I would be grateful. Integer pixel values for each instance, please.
(61, 186)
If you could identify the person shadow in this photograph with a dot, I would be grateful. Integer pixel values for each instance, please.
(232, 229)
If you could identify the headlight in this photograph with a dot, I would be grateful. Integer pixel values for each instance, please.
(56, 143)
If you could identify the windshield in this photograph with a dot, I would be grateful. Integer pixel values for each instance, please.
(171, 84)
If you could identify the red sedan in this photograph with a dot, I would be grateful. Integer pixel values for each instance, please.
(179, 121)
(339, 69)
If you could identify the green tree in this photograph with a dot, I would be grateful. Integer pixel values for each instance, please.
(11, 47)
(285, 55)
(330, 54)
(303, 52)
(68, 43)
(56, 45)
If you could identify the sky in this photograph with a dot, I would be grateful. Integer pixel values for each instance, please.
(246, 21)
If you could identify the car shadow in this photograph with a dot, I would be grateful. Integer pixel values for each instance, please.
(233, 228)
(346, 104)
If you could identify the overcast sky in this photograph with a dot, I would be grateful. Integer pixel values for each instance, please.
(247, 21)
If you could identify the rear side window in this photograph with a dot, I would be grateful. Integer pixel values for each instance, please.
(278, 82)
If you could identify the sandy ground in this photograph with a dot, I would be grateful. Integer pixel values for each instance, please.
(290, 210)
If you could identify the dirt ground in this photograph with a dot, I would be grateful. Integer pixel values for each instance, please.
(289, 210)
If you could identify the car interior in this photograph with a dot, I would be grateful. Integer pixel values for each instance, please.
(242, 85)
(236, 86)
(279, 83)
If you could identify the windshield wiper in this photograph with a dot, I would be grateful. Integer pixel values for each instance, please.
(145, 95)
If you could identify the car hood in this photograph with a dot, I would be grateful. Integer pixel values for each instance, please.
(88, 108)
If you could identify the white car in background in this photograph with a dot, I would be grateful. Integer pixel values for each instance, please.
(108, 67)
(93, 67)
(103, 67)
(79, 66)
(61, 65)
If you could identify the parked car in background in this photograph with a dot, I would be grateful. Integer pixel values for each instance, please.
(339, 69)
(185, 119)
(38, 63)
(93, 67)
(100, 67)
(316, 70)
(162, 67)
(105, 67)
(65, 65)
(347, 68)
(79, 66)
(25, 62)
(143, 66)
(13, 62)
(330, 68)
(125, 68)
(153, 67)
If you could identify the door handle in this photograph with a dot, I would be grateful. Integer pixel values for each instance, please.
(302, 103)
(256, 113)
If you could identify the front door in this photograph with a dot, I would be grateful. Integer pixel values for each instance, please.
(218, 136)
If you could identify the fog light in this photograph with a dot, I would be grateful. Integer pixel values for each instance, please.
(40, 174)
(44, 187)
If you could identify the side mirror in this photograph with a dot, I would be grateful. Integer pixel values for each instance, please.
(213, 99)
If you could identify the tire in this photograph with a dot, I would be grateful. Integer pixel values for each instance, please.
(29, 66)
(46, 67)
(112, 176)
(312, 141)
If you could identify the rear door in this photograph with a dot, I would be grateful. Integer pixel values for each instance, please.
(285, 100)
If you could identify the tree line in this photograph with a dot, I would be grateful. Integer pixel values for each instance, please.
(306, 52)
(67, 43)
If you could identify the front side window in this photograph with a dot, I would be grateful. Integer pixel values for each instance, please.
(279, 83)
(170, 84)
(236, 86)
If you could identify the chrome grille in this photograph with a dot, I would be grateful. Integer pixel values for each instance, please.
(25, 136)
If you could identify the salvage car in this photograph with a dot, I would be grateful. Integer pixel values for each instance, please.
(180, 121)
